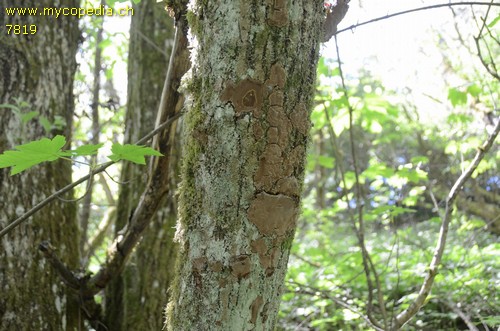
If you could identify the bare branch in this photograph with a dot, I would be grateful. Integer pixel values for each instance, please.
(381, 18)
(466, 318)
(67, 276)
(432, 270)
(491, 67)
(368, 265)
(326, 295)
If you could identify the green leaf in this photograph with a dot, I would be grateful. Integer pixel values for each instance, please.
(457, 97)
(29, 116)
(474, 90)
(133, 153)
(47, 126)
(32, 154)
(105, 43)
(85, 150)
(494, 22)
(326, 161)
(14, 108)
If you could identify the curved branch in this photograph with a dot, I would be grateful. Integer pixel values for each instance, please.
(381, 18)
(432, 270)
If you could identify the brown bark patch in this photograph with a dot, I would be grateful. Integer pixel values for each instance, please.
(199, 264)
(246, 96)
(288, 186)
(240, 266)
(216, 266)
(270, 167)
(272, 214)
(277, 118)
(277, 76)
(255, 307)
(276, 98)
(300, 119)
(279, 13)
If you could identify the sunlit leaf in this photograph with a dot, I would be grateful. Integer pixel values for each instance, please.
(457, 97)
(33, 153)
(326, 161)
(492, 24)
(133, 153)
(85, 150)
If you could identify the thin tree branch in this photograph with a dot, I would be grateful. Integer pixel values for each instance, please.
(341, 303)
(69, 187)
(107, 190)
(96, 87)
(466, 318)
(158, 184)
(468, 3)
(66, 275)
(432, 270)
(368, 265)
(491, 68)
(96, 240)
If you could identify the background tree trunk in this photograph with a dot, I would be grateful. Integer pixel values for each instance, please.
(39, 70)
(135, 300)
(251, 89)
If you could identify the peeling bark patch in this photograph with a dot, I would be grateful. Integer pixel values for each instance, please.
(240, 266)
(300, 120)
(279, 13)
(267, 258)
(200, 264)
(255, 307)
(277, 77)
(250, 99)
(272, 214)
(246, 97)
(288, 186)
(276, 98)
(259, 246)
(216, 266)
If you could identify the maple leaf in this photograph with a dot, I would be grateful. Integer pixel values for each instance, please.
(84, 150)
(30, 154)
(133, 153)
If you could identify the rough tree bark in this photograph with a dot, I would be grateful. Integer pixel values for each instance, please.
(134, 300)
(39, 70)
(251, 87)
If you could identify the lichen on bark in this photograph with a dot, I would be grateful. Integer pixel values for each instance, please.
(254, 66)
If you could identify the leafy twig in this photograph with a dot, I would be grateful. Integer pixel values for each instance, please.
(69, 187)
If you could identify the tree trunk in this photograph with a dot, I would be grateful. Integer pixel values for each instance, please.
(37, 69)
(254, 67)
(135, 300)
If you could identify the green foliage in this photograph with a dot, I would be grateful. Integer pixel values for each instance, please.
(43, 150)
(457, 97)
(133, 153)
(32, 154)
(21, 110)
(403, 164)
